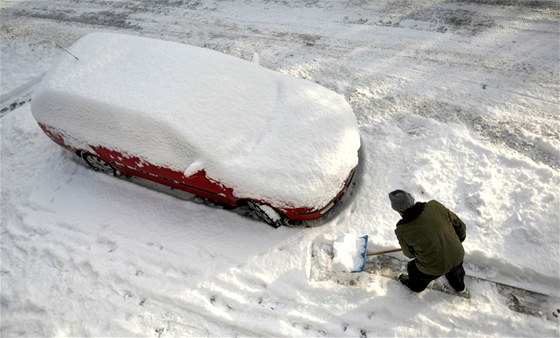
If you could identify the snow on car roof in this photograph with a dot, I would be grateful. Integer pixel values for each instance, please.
(265, 134)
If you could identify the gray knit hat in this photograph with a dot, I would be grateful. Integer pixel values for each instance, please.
(401, 200)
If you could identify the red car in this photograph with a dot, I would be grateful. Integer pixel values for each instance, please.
(202, 122)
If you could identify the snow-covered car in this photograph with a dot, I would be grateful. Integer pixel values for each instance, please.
(201, 121)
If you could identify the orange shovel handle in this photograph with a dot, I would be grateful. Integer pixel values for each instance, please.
(373, 253)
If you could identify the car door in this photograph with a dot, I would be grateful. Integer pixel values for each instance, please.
(193, 180)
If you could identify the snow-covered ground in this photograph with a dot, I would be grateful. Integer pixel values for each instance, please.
(456, 101)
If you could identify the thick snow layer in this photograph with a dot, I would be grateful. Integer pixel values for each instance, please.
(267, 135)
(455, 101)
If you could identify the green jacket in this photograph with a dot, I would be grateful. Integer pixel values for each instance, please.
(432, 234)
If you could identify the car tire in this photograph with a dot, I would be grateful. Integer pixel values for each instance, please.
(99, 164)
(267, 214)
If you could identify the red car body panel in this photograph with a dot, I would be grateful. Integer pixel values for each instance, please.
(56, 137)
(198, 184)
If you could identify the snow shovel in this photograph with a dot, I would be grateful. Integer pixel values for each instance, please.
(350, 254)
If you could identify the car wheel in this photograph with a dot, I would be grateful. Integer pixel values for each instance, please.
(266, 214)
(99, 164)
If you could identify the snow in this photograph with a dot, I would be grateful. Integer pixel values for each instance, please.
(348, 251)
(455, 101)
(245, 125)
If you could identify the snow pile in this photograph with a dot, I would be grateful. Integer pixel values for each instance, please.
(349, 253)
(267, 135)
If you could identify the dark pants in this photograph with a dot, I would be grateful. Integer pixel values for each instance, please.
(418, 281)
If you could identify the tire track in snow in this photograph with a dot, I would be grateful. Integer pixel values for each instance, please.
(18, 97)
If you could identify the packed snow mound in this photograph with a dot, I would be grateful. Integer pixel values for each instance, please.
(267, 135)
(349, 253)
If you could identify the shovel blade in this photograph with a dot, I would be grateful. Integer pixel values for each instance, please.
(362, 255)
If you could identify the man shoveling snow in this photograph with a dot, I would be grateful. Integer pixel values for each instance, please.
(432, 235)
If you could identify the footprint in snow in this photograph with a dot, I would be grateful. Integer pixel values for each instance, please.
(302, 326)
(308, 327)
(156, 245)
(214, 301)
(106, 245)
(87, 270)
(266, 303)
